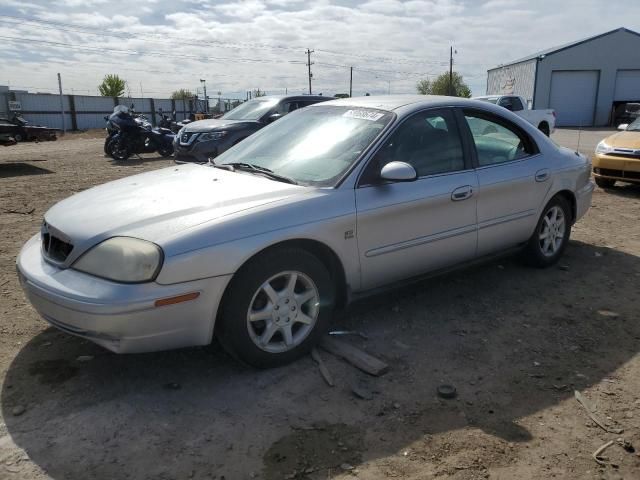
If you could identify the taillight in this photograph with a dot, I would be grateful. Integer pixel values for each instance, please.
(553, 112)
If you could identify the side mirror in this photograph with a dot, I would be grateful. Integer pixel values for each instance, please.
(623, 126)
(398, 172)
(273, 117)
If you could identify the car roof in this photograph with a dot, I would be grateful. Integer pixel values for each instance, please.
(395, 102)
(319, 98)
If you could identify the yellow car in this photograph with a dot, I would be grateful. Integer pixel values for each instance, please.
(618, 157)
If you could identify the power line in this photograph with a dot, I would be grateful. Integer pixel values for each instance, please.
(66, 27)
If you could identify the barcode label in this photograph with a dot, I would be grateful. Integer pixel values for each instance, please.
(363, 115)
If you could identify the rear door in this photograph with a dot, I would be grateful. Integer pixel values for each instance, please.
(513, 180)
(408, 228)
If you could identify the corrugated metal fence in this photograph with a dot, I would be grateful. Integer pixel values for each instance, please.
(83, 112)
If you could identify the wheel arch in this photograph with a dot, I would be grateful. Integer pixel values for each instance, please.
(320, 250)
(570, 197)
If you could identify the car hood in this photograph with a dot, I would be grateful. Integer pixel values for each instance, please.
(157, 205)
(624, 140)
(214, 124)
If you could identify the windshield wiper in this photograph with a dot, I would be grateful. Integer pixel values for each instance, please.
(250, 167)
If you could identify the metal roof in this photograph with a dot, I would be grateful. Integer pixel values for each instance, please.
(559, 48)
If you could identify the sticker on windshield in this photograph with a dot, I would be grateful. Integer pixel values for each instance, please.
(363, 115)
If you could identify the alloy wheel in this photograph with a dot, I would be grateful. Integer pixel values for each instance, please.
(552, 231)
(283, 312)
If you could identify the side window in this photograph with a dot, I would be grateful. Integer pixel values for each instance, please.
(429, 141)
(496, 142)
(505, 102)
(516, 104)
(287, 107)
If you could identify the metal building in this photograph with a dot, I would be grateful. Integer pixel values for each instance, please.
(587, 82)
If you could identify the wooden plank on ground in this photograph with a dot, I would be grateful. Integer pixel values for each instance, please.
(356, 357)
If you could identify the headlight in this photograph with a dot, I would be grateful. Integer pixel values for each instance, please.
(205, 137)
(122, 259)
(603, 148)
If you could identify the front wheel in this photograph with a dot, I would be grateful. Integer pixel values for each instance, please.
(119, 150)
(276, 308)
(605, 182)
(551, 235)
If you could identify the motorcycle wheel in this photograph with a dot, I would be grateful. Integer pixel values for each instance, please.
(107, 141)
(118, 151)
(166, 152)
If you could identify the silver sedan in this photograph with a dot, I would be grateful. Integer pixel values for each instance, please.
(331, 203)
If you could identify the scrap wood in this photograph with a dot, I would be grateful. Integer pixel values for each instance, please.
(582, 401)
(19, 212)
(322, 367)
(356, 357)
(596, 455)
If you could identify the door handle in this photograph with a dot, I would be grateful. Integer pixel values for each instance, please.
(462, 193)
(542, 175)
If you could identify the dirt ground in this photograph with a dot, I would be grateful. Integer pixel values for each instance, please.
(515, 342)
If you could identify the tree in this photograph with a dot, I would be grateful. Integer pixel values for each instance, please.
(182, 94)
(440, 86)
(112, 86)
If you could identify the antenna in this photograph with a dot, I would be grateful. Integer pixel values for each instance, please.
(579, 137)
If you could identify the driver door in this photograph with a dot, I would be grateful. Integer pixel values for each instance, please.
(405, 229)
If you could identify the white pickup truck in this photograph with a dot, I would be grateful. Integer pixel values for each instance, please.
(545, 120)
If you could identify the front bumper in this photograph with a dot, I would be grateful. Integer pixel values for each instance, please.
(199, 152)
(122, 318)
(625, 169)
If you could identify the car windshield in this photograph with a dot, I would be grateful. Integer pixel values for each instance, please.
(251, 110)
(634, 126)
(312, 146)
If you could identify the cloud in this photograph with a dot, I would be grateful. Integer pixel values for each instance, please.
(240, 45)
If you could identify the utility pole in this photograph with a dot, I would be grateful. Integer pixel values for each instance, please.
(351, 82)
(64, 130)
(206, 100)
(451, 91)
(309, 63)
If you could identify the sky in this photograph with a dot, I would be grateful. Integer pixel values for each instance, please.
(160, 46)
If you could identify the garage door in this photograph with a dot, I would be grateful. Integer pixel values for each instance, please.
(573, 97)
(627, 85)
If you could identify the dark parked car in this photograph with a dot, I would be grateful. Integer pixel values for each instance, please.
(204, 139)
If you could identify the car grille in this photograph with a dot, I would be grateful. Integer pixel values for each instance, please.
(55, 248)
(608, 172)
(625, 152)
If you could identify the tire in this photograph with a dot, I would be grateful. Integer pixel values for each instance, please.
(18, 138)
(118, 150)
(305, 314)
(106, 145)
(605, 182)
(544, 128)
(542, 253)
(166, 152)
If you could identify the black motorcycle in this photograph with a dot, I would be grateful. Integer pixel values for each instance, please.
(134, 135)
(112, 120)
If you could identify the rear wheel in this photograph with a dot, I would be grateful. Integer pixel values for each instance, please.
(166, 151)
(18, 137)
(544, 128)
(276, 308)
(551, 235)
(605, 182)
